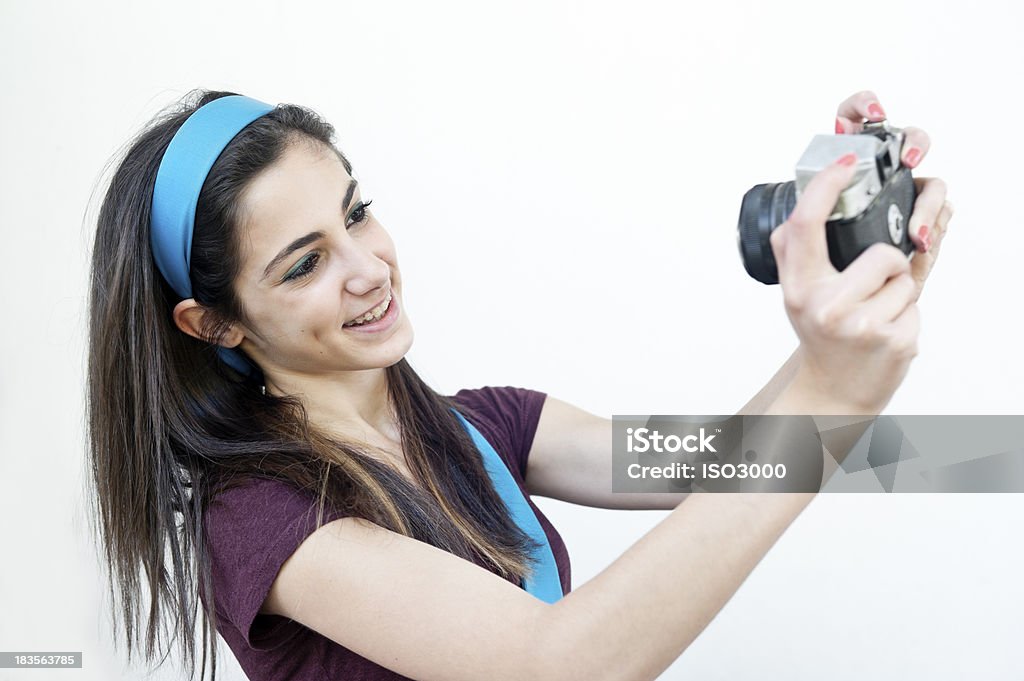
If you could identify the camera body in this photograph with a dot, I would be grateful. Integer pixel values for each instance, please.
(874, 207)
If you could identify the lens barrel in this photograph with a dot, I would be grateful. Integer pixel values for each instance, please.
(764, 207)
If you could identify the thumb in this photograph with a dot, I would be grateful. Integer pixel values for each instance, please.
(806, 248)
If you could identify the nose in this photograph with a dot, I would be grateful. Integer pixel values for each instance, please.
(365, 271)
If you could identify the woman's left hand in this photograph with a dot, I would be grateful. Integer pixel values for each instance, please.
(932, 212)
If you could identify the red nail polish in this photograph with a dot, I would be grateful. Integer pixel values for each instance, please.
(875, 111)
(848, 159)
(922, 235)
(839, 127)
(913, 157)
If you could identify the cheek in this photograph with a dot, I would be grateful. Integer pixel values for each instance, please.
(297, 319)
(315, 309)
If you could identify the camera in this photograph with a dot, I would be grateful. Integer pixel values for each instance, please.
(874, 207)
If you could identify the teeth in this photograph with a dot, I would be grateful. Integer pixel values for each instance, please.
(373, 315)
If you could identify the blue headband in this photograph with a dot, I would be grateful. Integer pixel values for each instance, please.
(192, 152)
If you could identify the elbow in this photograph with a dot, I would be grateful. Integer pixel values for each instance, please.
(563, 645)
(552, 646)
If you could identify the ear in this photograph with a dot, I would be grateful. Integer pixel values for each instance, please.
(188, 316)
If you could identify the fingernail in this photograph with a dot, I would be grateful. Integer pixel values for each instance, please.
(839, 127)
(848, 159)
(922, 235)
(913, 157)
(875, 110)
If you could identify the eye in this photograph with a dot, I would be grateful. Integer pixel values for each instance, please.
(308, 264)
(305, 267)
(359, 213)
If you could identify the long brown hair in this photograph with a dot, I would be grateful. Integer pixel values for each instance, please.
(170, 425)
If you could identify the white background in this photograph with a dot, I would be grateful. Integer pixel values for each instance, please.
(562, 181)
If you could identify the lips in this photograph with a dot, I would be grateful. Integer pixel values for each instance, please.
(376, 325)
(372, 307)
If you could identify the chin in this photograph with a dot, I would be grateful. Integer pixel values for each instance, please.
(388, 353)
(407, 337)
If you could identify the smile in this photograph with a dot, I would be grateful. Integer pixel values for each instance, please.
(373, 315)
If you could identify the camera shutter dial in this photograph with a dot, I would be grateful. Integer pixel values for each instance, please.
(895, 224)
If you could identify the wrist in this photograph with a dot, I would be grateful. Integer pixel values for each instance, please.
(808, 394)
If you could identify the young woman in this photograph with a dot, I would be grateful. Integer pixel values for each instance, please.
(260, 447)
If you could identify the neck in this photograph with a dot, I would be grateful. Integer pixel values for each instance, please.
(352, 404)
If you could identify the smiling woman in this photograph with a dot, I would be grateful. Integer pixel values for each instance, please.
(326, 279)
(259, 443)
(254, 386)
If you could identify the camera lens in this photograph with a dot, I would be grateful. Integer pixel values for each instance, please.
(764, 207)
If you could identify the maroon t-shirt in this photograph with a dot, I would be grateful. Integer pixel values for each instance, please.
(253, 529)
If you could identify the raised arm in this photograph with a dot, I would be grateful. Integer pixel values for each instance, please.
(428, 614)
(571, 455)
(571, 459)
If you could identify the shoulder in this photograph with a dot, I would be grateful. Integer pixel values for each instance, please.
(507, 417)
(505, 408)
(260, 503)
(251, 528)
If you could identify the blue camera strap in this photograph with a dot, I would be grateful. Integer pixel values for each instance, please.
(544, 583)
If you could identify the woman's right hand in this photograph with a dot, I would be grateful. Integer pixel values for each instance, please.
(858, 328)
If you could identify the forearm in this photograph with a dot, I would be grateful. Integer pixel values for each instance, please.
(636, 617)
(760, 402)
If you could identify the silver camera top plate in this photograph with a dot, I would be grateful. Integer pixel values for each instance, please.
(876, 139)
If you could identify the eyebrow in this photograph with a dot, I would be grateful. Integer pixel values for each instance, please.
(308, 239)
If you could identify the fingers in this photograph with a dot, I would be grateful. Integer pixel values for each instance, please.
(891, 300)
(800, 244)
(931, 195)
(915, 145)
(854, 109)
(941, 226)
(865, 105)
(904, 330)
(870, 272)
(942, 223)
(922, 264)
